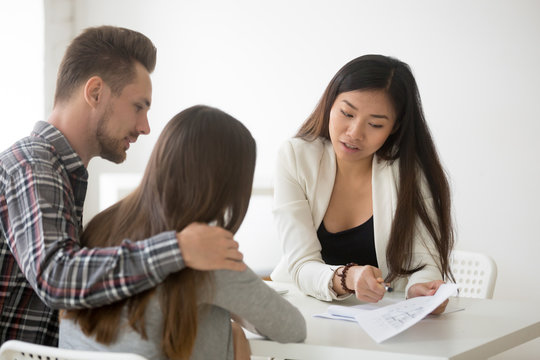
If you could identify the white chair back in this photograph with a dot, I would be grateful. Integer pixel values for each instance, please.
(19, 350)
(475, 274)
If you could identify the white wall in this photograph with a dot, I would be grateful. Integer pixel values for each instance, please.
(21, 61)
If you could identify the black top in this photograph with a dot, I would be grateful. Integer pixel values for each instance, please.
(353, 245)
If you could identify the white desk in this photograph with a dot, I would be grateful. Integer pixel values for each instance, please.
(485, 328)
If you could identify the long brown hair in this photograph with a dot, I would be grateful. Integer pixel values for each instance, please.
(412, 144)
(201, 170)
(107, 51)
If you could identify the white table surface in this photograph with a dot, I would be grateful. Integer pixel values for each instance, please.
(485, 328)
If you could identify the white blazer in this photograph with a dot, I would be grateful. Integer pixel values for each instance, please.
(303, 186)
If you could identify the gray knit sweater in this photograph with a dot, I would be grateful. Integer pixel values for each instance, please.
(239, 293)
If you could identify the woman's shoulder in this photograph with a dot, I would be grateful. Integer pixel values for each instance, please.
(390, 167)
(227, 276)
(236, 286)
(300, 150)
(299, 144)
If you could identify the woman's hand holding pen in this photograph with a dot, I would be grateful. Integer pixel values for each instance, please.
(428, 289)
(366, 281)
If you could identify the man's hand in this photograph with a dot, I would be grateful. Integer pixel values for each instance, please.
(207, 247)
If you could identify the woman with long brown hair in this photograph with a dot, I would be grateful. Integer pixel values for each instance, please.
(361, 198)
(201, 170)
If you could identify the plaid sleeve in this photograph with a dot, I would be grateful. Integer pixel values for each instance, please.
(42, 231)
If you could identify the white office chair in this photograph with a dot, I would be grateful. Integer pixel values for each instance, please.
(475, 274)
(19, 350)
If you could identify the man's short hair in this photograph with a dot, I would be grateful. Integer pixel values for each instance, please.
(107, 51)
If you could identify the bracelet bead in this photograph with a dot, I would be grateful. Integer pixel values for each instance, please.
(343, 276)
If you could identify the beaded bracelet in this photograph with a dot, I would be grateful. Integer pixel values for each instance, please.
(343, 275)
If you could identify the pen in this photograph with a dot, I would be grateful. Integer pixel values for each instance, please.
(387, 286)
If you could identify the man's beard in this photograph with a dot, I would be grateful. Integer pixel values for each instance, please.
(110, 148)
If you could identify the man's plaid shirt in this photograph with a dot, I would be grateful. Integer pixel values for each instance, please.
(42, 189)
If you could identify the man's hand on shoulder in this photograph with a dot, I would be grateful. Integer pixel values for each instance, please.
(206, 247)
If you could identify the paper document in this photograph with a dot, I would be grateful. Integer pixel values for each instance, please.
(348, 313)
(390, 316)
(385, 322)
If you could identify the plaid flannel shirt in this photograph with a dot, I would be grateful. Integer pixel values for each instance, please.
(43, 268)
